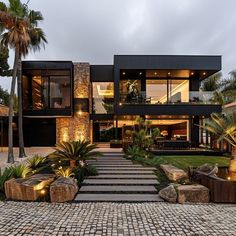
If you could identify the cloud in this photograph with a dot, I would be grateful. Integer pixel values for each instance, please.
(93, 31)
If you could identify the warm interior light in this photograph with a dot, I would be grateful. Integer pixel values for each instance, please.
(43, 191)
(228, 178)
(168, 73)
(140, 73)
(123, 73)
(120, 104)
(79, 112)
(204, 73)
(192, 73)
(155, 73)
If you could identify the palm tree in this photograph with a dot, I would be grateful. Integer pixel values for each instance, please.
(19, 31)
(224, 128)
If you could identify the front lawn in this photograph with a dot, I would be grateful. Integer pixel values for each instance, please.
(184, 162)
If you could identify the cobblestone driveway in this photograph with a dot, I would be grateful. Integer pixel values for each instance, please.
(18, 218)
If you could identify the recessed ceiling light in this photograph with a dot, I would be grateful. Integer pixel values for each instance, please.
(123, 73)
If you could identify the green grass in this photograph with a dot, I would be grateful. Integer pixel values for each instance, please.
(184, 162)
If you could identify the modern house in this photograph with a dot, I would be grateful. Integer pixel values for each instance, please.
(64, 101)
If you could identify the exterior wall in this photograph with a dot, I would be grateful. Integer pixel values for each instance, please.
(78, 126)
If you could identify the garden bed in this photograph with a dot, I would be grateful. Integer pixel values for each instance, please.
(221, 190)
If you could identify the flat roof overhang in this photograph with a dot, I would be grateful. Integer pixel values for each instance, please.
(168, 109)
(47, 65)
(203, 64)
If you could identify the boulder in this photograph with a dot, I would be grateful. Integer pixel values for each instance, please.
(173, 173)
(63, 190)
(169, 194)
(27, 189)
(206, 168)
(193, 193)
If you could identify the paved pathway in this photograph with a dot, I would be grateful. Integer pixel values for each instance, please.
(119, 180)
(29, 152)
(116, 219)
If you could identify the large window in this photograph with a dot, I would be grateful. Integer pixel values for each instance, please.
(59, 92)
(178, 91)
(103, 97)
(49, 89)
(157, 91)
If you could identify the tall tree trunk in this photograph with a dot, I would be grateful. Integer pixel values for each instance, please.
(11, 111)
(20, 116)
(232, 167)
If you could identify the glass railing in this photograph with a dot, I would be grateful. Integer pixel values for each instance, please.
(193, 97)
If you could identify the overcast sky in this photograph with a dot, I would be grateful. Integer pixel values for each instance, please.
(94, 30)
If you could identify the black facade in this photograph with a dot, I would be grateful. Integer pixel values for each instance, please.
(109, 111)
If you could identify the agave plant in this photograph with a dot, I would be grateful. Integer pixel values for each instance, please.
(75, 151)
(20, 170)
(36, 161)
(64, 172)
(224, 128)
(6, 175)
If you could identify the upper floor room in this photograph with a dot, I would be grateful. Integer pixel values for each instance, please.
(49, 86)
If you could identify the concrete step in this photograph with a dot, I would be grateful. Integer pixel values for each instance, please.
(120, 182)
(119, 172)
(135, 166)
(117, 198)
(123, 176)
(119, 188)
(124, 167)
(110, 161)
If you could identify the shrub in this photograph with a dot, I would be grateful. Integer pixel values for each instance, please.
(36, 161)
(75, 150)
(64, 172)
(20, 170)
(6, 175)
(135, 151)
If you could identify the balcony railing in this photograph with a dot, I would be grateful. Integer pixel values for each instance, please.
(193, 97)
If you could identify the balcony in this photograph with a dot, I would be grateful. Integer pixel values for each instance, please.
(194, 97)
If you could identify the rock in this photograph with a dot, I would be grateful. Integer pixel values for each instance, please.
(28, 189)
(173, 173)
(169, 194)
(63, 189)
(206, 168)
(193, 193)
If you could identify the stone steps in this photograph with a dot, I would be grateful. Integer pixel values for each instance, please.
(123, 168)
(115, 176)
(119, 180)
(117, 198)
(117, 189)
(120, 172)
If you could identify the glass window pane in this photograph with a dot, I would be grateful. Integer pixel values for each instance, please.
(60, 92)
(103, 97)
(157, 91)
(37, 96)
(179, 91)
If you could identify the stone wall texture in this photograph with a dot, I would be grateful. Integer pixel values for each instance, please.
(78, 126)
(3, 110)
